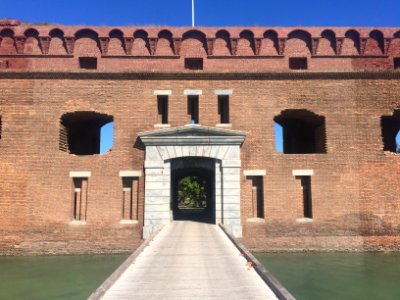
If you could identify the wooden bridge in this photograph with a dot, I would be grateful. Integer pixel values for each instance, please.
(189, 260)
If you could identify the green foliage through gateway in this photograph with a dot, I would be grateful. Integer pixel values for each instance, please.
(192, 193)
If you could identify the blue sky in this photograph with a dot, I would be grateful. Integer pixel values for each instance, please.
(208, 12)
(382, 13)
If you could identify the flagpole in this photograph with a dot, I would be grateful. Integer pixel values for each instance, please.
(192, 13)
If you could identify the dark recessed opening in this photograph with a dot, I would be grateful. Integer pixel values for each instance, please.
(193, 63)
(298, 63)
(162, 103)
(193, 109)
(89, 63)
(302, 131)
(223, 109)
(396, 62)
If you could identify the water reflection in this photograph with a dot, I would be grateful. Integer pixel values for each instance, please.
(54, 277)
(336, 276)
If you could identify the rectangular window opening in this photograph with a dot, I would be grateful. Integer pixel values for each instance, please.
(223, 109)
(193, 63)
(193, 109)
(130, 190)
(258, 197)
(162, 103)
(305, 182)
(396, 62)
(298, 63)
(89, 63)
(80, 199)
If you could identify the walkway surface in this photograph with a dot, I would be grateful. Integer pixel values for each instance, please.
(190, 260)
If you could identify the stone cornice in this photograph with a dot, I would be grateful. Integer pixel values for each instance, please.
(290, 75)
(192, 135)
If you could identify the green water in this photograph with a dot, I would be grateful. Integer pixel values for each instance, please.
(54, 277)
(336, 276)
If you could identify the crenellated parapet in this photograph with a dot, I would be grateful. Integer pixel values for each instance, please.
(213, 43)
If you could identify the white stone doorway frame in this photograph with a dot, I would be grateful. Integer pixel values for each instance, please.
(163, 145)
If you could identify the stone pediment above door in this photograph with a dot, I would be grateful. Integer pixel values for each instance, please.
(192, 135)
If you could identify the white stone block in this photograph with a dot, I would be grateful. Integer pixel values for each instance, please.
(162, 92)
(303, 172)
(80, 174)
(189, 92)
(223, 92)
(130, 173)
(255, 172)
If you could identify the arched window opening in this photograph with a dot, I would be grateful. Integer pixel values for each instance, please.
(303, 132)
(391, 132)
(32, 33)
(81, 133)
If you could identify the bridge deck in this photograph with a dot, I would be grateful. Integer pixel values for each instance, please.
(189, 260)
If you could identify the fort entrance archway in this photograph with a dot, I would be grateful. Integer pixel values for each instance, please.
(193, 150)
(193, 189)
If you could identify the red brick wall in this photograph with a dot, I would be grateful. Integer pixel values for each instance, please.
(355, 186)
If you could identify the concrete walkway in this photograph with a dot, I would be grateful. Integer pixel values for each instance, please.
(189, 260)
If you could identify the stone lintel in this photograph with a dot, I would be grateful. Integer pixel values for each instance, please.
(303, 172)
(162, 92)
(254, 173)
(223, 92)
(80, 174)
(193, 92)
(131, 173)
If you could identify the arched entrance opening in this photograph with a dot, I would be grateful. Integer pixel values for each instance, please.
(193, 189)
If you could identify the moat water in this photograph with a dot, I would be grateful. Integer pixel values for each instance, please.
(54, 277)
(352, 276)
(307, 276)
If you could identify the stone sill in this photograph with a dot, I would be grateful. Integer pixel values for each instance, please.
(304, 220)
(129, 222)
(77, 223)
(255, 220)
(224, 125)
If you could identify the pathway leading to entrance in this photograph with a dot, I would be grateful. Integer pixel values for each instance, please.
(189, 260)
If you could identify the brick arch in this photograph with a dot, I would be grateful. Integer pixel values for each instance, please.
(32, 42)
(327, 43)
(141, 45)
(7, 32)
(270, 43)
(56, 32)
(31, 32)
(298, 43)
(116, 44)
(165, 45)
(351, 43)
(7, 43)
(246, 44)
(222, 45)
(57, 44)
(87, 43)
(375, 43)
(194, 43)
